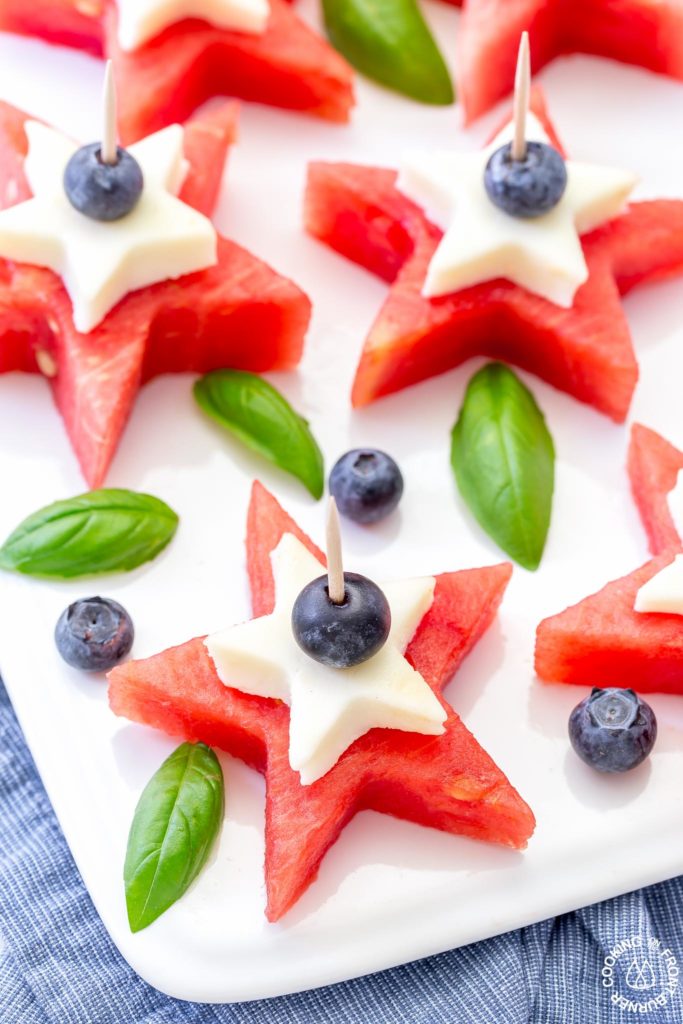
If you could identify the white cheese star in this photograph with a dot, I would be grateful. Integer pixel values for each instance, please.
(482, 242)
(142, 20)
(330, 708)
(664, 591)
(101, 262)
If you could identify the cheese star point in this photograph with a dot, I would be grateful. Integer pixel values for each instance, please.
(330, 708)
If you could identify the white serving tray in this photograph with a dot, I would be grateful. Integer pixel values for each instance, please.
(389, 891)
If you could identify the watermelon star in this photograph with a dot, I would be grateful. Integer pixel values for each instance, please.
(196, 323)
(446, 781)
(585, 350)
(170, 76)
(603, 640)
(643, 32)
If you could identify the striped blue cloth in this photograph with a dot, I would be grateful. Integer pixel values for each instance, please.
(612, 963)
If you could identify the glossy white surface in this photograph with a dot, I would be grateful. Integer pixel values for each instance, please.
(388, 891)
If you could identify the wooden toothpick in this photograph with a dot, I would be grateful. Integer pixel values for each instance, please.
(522, 89)
(335, 567)
(108, 150)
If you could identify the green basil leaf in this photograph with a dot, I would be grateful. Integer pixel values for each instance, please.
(109, 530)
(263, 419)
(174, 827)
(504, 462)
(389, 41)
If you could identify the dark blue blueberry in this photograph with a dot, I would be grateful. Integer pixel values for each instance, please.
(526, 188)
(366, 484)
(341, 635)
(103, 191)
(94, 634)
(613, 730)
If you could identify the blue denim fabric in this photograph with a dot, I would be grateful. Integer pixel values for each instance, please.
(58, 965)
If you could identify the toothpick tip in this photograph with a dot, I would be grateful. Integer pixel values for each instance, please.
(522, 90)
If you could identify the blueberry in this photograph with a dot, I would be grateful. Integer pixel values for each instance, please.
(341, 635)
(613, 730)
(366, 484)
(103, 191)
(526, 188)
(94, 634)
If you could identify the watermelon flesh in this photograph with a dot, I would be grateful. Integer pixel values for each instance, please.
(648, 33)
(653, 467)
(602, 641)
(62, 22)
(447, 782)
(239, 313)
(585, 351)
(168, 78)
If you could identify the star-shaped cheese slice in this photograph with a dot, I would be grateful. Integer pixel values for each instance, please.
(142, 20)
(101, 262)
(482, 242)
(663, 592)
(329, 708)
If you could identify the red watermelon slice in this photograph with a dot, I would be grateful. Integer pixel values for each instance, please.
(447, 782)
(643, 32)
(585, 351)
(602, 641)
(653, 466)
(171, 76)
(239, 313)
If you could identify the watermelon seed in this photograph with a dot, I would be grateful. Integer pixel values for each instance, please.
(46, 363)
